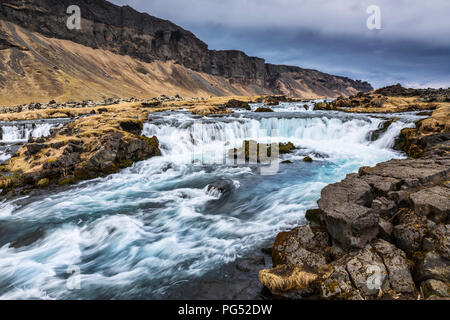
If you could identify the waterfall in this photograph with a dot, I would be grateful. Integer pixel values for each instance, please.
(165, 221)
(21, 132)
(321, 134)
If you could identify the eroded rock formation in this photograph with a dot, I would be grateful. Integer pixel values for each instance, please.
(381, 233)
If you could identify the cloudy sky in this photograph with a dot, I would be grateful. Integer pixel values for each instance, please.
(412, 47)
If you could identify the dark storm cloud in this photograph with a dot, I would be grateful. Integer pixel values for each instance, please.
(413, 46)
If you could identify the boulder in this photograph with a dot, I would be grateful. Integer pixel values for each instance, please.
(438, 239)
(264, 109)
(368, 272)
(410, 230)
(384, 207)
(398, 267)
(304, 246)
(433, 203)
(433, 266)
(436, 288)
(346, 213)
(338, 285)
(236, 104)
(381, 185)
(385, 229)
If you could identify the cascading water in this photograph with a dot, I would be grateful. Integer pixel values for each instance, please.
(22, 132)
(19, 132)
(145, 231)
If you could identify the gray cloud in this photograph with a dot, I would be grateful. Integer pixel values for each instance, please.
(413, 46)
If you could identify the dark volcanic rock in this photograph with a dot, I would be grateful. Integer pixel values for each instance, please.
(347, 214)
(236, 104)
(390, 236)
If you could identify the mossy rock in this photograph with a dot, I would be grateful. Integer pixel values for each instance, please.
(415, 151)
(321, 106)
(11, 181)
(66, 181)
(126, 164)
(43, 183)
(286, 147)
(153, 142)
(308, 159)
(314, 216)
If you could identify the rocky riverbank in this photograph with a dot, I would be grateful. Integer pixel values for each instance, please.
(86, 148)
(382, 233)
(390, 99)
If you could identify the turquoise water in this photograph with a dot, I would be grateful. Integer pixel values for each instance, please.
(140, 233)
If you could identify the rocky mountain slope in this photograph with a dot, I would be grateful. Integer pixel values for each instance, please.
(134, 53)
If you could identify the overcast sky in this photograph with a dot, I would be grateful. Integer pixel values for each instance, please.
(412, 47)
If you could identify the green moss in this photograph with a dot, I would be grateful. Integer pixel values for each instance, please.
(66, 181)
(11, 181)
(415, 151)
(82, 174)
(153, 142)
(321, 106)
(43, 183)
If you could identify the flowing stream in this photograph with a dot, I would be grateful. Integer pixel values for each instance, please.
(147, 230)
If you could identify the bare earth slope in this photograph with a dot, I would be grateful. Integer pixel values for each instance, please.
(121, 52)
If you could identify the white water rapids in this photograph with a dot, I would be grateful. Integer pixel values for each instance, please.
(142, 232)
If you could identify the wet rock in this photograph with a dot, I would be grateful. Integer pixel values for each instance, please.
(433, 203)
(263, 109)
(308, 159)
(314, 216)
(28, 239)
(285, 148)
(43, 183)
(222, 187)
(375, 135)
(250, 264)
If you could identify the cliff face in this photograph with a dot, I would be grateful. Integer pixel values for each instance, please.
(124, 31)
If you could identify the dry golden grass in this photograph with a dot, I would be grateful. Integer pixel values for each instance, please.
(397, 104)
(283, 278)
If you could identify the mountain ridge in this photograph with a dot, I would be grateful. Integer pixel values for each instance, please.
(127, 32)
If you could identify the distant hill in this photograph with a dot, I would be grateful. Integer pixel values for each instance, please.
(121, 52)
